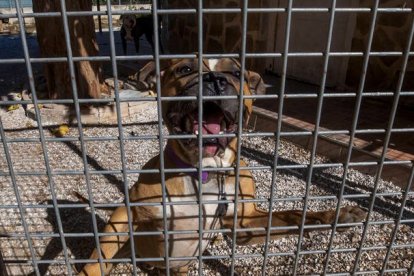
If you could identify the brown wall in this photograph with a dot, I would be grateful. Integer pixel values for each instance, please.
(221, 32)
(391, 34)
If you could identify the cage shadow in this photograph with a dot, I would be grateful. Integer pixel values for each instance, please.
(79, 220)
(332, 184)
(74, 220)
(95, 164)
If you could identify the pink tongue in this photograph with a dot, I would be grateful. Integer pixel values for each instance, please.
(210, 125)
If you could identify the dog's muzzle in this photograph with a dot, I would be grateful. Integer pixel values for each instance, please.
(219, 115)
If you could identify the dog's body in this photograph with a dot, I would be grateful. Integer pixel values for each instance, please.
(133, 28)
(180, 78)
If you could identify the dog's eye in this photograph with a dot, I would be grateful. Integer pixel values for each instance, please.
(185, 70)
(236, 73)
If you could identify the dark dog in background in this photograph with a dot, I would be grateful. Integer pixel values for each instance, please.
(134, 27)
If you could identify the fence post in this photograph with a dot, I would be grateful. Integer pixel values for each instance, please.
(98, 7)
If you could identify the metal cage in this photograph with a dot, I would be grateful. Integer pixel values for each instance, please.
(402, 207)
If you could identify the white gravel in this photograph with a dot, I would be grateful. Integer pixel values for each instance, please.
(105, 155)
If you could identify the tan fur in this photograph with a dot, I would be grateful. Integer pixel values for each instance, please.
(182, 187)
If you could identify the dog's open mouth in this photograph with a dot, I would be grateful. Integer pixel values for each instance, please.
(216, 120)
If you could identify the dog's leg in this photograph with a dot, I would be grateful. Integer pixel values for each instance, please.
(150, 40)
(136, 42)
(252, 217)
(161, 47)
(110, 245)
(123, 40)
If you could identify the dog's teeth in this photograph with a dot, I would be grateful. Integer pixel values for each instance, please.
(221, 132)
(196, 132)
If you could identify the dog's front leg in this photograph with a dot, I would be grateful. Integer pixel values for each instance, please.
(110, 245)
(136, 43)
(249, 216)
(123, 40)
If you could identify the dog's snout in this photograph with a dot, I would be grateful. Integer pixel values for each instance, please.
(218, 80)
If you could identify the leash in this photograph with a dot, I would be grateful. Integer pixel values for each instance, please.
(223, 206)
(221, 180)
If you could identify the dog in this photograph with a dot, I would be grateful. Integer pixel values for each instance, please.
(133, 28)
(179, 77)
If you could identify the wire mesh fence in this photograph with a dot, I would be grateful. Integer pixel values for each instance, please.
(46, 229)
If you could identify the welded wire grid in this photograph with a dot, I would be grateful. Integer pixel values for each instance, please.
(126, 174)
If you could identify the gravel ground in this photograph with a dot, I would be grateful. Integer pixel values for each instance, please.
(105, 155)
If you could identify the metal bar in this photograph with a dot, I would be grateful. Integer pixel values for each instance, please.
(398, 222)
(281, 167)
(41, 133)
(239, 130)
(3, 270)
(121, 135)
(98, 7)
(160, 132)
(325, 133)
(191, 98)
(208, 98)
(162, 57)
(386, 142)
(411, 270)
(190, 202)
(237, 256)
(248, 55)
(211, 10)
(315, 135)
(200, 136)
(353, 130)
(19, 205)
(80, 129)
(278, 130)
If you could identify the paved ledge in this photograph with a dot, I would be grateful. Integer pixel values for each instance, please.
(335, 146)
(98, 114)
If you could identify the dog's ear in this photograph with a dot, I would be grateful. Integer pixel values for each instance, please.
(256, 83)
(146, 77)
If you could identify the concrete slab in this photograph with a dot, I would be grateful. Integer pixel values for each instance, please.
(335, 147)
(133, 102)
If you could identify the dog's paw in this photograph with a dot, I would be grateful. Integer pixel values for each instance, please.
(351, 214)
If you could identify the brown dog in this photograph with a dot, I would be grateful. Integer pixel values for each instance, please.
(180, 78)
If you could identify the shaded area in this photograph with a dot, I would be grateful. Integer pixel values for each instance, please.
(74, 220)
(14, 75)
(337, 113)
(332, 185)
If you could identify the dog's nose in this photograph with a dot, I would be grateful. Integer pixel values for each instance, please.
(218, 80)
